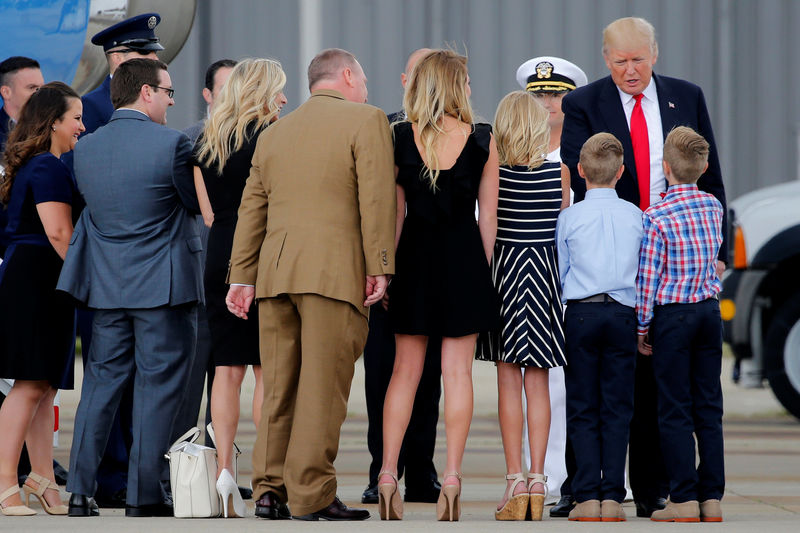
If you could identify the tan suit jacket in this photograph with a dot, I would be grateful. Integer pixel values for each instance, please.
(318, 211)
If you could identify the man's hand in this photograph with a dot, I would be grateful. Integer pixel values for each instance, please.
(239, 299)
(720, 269)
(376, 287)
(644, 346)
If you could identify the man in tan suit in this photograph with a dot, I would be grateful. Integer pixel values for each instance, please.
(315, 246)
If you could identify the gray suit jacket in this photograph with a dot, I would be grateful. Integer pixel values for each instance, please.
(136, 245)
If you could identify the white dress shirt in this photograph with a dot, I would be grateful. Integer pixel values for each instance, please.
(655, 135)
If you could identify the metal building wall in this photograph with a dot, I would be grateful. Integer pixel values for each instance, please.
(742, 53)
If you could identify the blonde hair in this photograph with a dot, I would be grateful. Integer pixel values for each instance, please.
(248, 96)
(627, 32)
(437, 88)
(521, 131)
(686, 152)
(601, 157)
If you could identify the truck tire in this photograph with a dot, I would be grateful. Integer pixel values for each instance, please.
(782, 355)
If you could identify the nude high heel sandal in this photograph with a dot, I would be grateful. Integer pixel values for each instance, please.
(537, 499)
(390, 505)
(448, 508)
(14, 510)
(516, 507)
(43, 485)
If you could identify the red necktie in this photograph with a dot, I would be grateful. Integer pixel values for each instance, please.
(641, 152)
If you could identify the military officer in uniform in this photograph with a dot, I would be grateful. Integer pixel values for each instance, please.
(133, 37)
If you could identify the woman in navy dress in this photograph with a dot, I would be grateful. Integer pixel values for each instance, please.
(442, 285)
(249, 101)
(530, 339)
(37, 323)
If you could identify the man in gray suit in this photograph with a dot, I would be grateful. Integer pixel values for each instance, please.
(135, 259)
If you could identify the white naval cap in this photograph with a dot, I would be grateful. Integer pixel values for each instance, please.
(550, 74)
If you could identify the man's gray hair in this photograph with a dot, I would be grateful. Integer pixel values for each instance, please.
(327, 64)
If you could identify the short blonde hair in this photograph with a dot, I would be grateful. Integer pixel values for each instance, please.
(686, 152)
(601, 158)
(437, 88)
(521, 131)
(627, 32)
(249, 96)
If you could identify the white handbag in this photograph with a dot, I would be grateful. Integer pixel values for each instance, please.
(193, 478)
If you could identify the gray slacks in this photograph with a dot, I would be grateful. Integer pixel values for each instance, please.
(155, 348)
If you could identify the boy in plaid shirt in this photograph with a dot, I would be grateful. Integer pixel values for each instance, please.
(680, 326)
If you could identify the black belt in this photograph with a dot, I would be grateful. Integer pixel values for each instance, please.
(597, 298)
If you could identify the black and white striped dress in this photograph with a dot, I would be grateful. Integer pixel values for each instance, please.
(525, 270)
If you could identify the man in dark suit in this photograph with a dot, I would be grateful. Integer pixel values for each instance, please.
(639, 108)
(135, 259)
(416, 454)
(131, 38)
(20, 77)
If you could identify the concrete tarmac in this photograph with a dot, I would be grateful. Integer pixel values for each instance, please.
(762, 455)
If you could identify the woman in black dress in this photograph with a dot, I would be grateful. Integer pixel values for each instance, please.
(443, 283)
(250, 100)
(37, 323)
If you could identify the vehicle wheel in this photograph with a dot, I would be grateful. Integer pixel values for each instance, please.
(782, 355)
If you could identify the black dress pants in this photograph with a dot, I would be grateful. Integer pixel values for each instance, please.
(416, 453)
(646, 470)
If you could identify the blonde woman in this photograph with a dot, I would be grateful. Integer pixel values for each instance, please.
(443, 285)
(530, 340)
(250, 100)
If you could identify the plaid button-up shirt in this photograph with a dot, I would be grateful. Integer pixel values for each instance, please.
(677, 264)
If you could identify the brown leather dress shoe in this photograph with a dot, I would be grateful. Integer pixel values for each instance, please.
(271, 508)
(336, 511)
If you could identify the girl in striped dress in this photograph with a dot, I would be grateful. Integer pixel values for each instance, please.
(530, 339)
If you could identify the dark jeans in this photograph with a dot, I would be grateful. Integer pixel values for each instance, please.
(687, 361)
(416, 453)
(601, 347)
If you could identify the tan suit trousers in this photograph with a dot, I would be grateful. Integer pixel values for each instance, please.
(309, 346)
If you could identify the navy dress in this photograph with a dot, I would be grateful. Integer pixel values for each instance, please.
(37, 323)
(443, 284)
(525, 270)
(234, 341)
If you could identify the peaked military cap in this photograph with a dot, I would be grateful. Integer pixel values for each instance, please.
(136, 33)
(550, 74)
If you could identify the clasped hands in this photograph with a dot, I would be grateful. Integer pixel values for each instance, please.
(240, 297)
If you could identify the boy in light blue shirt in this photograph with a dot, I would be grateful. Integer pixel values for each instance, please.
(598, 241)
